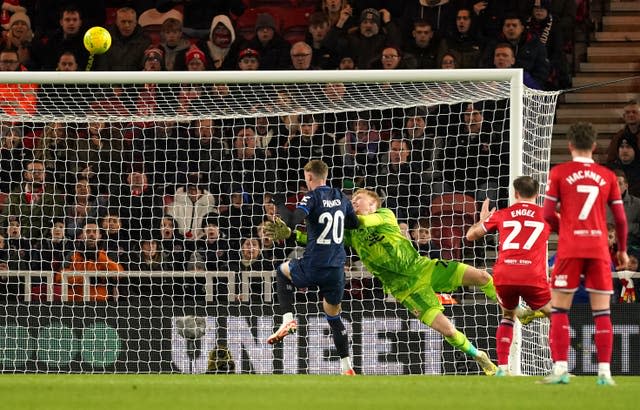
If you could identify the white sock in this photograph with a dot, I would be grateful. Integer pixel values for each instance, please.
(345, 364)
(287, 317)
(560, 368)
(604, 369)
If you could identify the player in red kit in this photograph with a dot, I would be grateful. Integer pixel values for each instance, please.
(521, 268)
(582, 189)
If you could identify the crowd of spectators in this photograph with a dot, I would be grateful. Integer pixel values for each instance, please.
(172, 195)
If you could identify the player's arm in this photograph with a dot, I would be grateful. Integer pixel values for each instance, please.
(292, 219)
(550, 214)
(620, 219)
(381, 216)
(478, 230)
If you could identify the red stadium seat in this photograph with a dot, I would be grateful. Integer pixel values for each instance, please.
(451, 216)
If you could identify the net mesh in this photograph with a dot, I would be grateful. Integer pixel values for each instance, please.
(132, 220)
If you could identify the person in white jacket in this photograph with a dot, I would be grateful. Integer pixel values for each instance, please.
(191, 205)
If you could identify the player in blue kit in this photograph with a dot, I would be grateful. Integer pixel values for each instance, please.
(328, 212)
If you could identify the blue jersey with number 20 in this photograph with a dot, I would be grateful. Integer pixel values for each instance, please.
(329, 212)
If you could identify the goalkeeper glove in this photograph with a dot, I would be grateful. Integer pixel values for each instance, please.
(277, 230)
(279, 199)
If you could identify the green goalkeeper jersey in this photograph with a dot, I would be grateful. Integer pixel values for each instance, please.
(387, 253)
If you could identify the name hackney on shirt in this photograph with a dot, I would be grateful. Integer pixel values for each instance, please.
(522, 251)
(583, 189)
(327, 209)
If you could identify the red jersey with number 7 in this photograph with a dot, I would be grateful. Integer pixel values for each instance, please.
(522, 252)
(583, 189)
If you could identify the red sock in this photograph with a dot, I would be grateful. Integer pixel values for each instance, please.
(504, 335)
(559, 335)
(604, 335)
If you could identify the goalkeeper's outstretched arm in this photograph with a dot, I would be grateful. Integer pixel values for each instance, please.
(292, 219)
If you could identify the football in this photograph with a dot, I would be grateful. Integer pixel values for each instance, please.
(97, 40)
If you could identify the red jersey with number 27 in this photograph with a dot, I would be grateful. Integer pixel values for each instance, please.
(583, 189)
(522, 252)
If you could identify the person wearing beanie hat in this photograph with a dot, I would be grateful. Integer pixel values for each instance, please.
(248, 59)
(153, 59)
(20, 17)
(631, 129)
(370, 14)
(195, 59)
(19, 37)
(265, 20)
(273, 48)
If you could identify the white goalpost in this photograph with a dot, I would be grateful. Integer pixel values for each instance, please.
(132, 205)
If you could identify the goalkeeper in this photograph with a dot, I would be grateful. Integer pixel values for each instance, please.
(413, 279)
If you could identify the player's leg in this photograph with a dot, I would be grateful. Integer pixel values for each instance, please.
(600, 286)
(286, 294)
(425, 305)
(332, 292)
(509, 298)
(538, 299)
(565, 279)
(480, 278)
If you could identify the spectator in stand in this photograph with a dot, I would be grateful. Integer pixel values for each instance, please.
(46, 13)
(148, 258)
(628, 161)
(504, 57)
(153, 59)
(98, 156)
(323, 57)
(272, 47)
(476, 157)
(239, 217)
(250, 166)
(248, 60)
(490, 14)
(301, 56)
(375, 31)
(139, 205)
(53, 146)
(68, 37)
(531, 54)
(464, 41)
(192, 205)
(220, 48)
(172, 41)
(339, 10)
(362, 146)
(199, 13)
(18, 245)
(116, 241)
(249, 258)
(631, 209)
(401, 181)
(172, 243)
(271, 251)
(312, 142)
(16, 99)
(441, 14)
(67, 62)
(423, 45)
(212, 249)
(89, 257)
(81, 207)
(392, 58)
(10, 158)
(128, 44)
(631, 130)
(347, 62)
(566, 12)
(19, 37)
(427, 147)
(36, 202)
(421, 238)
(449, 61)
(547, 28)
(51, 253)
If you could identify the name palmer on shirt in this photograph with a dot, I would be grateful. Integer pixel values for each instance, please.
(586, 174)
(331, 203)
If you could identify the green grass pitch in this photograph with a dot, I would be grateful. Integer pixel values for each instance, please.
(301, 392)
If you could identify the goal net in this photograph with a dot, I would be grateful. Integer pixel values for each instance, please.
(133, 206)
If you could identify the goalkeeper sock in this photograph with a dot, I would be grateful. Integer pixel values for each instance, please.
(603, 337)
(460, 341)
(489, 289)
(339, 334)
(504, 336)
(285, 291)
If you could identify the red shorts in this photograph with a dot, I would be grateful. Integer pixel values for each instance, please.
(535, 296)
(567, 274)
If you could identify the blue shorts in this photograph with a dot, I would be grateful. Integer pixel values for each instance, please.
(329, 280)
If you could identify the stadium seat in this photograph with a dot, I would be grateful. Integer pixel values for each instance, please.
(451, 216)
(295, 23)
